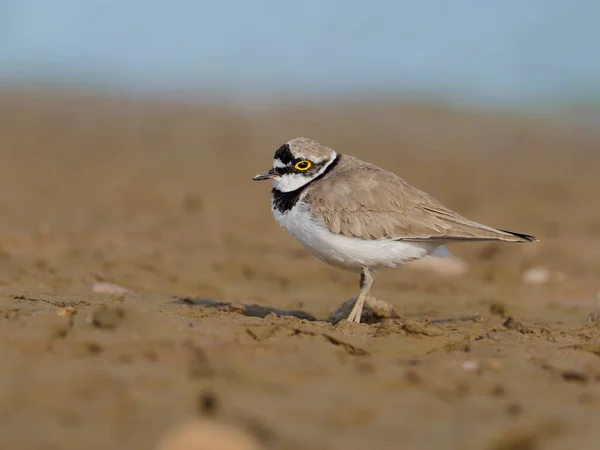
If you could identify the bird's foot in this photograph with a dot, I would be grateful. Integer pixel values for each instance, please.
(373, 311)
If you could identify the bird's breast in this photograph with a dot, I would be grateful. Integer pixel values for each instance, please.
(346, 252)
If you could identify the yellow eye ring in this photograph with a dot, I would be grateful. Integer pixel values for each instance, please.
(303, 165)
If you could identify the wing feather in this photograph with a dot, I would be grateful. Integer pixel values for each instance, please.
(361, 200)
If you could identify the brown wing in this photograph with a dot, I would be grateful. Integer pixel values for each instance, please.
(361, 200)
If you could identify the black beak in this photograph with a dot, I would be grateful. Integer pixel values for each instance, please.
(269, 174)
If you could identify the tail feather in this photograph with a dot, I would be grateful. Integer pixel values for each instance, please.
(524, 237)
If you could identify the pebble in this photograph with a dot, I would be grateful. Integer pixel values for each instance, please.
(542, 275)
(537, 275)
(109, 288)
(470, 365)
(198, 434)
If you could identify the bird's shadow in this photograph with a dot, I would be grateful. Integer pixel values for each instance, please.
(252, 310)
(261, 311)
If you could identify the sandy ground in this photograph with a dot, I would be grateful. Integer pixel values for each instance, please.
(156, 197)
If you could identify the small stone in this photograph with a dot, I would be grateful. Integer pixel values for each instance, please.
(199, 434)
(109, 288)
(470, 366)
(536, 275)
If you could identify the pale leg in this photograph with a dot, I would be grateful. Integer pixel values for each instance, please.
(366, 280)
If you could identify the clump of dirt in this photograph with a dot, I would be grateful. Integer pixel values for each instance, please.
(373, 311)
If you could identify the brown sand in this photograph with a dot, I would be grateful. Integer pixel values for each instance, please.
(157, 198)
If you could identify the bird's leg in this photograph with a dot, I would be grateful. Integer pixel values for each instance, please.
(366, 280)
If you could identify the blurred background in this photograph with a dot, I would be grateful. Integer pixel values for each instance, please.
(134, 127)
(506, 53)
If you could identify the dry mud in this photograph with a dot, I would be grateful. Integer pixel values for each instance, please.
(224, 317)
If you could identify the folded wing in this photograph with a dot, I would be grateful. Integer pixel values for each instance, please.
(361, 200)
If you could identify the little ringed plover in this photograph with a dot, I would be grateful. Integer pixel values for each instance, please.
(356, 216)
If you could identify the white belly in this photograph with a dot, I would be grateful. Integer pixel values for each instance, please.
(347, 252)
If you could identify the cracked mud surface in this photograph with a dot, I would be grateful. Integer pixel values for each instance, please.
(224, 320)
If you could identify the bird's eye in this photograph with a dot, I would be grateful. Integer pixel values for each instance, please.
(303, 165)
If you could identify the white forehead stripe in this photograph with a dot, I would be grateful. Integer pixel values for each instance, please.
(278, 164)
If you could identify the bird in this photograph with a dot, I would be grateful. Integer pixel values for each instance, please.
(356, 216)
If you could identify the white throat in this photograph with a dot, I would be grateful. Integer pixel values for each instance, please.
(293, 181)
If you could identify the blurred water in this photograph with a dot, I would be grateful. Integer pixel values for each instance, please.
(494, 52)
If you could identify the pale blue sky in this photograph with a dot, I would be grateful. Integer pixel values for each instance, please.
(502, 51)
